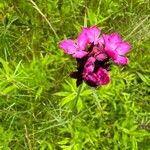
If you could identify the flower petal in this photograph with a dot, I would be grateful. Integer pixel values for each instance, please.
(103, 76)
(121, 60)
(123, 48)
(105, 38)
(79, 54)
(112, 54)
(114, 47)
(101, 41)
(82, 41)
(68, 46)
(91, 77)
(101, 57)
(92, 34)
(111, 41)
(89, 65)
(115, 38)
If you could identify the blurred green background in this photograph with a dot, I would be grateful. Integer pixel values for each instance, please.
(37, 94)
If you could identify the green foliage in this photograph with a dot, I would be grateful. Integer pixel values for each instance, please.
(5, 139)
(39, 107)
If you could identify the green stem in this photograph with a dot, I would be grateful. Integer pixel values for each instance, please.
(97, 99)
(74, 110)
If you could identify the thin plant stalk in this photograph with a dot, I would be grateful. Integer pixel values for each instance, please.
(74, 110)
(41, 13)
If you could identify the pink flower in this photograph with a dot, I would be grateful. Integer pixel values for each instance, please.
(115, 47)
(77, 50)
(93, 53)
(98, 52)
(89, 65)
(95, 78)
(103, 76)
(92, 33)
(96, 42)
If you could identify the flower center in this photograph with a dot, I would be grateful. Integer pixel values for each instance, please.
(96, 50)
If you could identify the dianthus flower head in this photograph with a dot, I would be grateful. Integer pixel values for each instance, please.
(93, 54)
(76, 49)
(115, 47)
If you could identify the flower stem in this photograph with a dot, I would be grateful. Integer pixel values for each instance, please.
(97, 100)
(74, 110)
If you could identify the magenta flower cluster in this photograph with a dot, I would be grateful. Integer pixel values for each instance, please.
(94, 53)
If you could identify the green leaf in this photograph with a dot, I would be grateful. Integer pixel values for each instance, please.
(62, 94)
(9, 89)
(79, 105)
(38, 93)
(86, 92)
(67, 99)
(144, 78)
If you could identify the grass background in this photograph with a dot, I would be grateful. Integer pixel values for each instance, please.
(37, 94)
